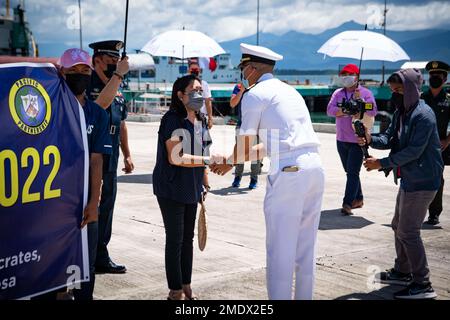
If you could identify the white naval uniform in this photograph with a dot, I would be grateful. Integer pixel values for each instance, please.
(278, 114)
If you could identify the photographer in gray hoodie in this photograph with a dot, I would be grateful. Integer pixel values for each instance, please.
(415, 159)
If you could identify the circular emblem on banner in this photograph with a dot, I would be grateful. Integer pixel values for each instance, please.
(30, 106)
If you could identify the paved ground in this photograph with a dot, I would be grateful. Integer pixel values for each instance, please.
(350, 249)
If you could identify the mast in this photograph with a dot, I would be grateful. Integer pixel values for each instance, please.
(257, 23)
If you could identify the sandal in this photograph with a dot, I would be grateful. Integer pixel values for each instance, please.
(182, 297)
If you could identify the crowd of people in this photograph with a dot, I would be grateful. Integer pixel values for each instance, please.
(274, 122)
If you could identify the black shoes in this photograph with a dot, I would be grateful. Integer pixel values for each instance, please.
(346, 210)
(412, 291)
(432, 221)
(253, 184)
(416, 291)
(394, 277)
(111, 267)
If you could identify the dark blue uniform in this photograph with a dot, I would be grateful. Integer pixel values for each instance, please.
(116, 113)
(438, 70)
(99, 141)
(97, 126)
(441, 107)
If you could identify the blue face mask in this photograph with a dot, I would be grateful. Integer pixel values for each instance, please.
(244, 81)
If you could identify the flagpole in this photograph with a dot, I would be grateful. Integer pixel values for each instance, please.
(257, 23)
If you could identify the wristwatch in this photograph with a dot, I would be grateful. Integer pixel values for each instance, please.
(206, 161)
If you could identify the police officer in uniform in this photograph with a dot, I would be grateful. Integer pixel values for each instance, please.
(277, 114)
(439, 100)
(106, 60)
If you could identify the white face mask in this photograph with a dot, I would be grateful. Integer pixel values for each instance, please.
(348, 81)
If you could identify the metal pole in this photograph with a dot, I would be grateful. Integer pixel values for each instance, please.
(360, 60)
(182, 60)
(81, 30)
(124, 53)
(139, 80)
(384, 32)
(7, 8)
(257, 23)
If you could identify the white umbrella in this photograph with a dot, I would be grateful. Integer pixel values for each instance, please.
(414, 65)
(364, 45)
(183, 44)
(140, 61)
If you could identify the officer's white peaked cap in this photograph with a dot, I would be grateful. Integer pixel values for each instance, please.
(251, 53)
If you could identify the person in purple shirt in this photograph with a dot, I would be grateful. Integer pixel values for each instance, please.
(350, 152)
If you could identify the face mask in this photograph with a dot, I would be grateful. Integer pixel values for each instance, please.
(110, 70)
(244, 80)
(78, 82)
(195, 102)
(436, 82)
(397, 100)
(348, 81)
(195, 72)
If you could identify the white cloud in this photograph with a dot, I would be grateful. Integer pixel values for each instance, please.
(223, 20)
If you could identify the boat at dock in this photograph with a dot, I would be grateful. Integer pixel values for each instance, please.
(168, 69)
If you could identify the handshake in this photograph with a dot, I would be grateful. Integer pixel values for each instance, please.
(219, 164)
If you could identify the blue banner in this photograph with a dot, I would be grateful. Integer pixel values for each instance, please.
(43, 182)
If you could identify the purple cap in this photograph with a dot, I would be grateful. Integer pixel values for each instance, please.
(73, 57)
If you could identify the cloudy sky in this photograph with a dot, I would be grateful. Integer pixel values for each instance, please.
(56, 21)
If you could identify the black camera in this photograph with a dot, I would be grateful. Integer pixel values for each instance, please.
(352, 107)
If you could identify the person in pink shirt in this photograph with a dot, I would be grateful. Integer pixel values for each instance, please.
(350, 152)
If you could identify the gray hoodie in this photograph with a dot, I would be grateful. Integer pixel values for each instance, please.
(417, 151)
(412, 83)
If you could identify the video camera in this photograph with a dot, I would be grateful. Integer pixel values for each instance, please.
(352, 106)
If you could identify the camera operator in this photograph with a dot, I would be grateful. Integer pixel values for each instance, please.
(347, 104)
(415, 158)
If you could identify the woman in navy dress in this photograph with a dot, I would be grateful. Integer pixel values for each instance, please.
(183, 143)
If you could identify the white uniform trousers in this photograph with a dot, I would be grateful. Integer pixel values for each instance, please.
(292, 209)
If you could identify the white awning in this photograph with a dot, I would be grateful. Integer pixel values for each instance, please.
(414, 65)
(140, 61)
(152, 96)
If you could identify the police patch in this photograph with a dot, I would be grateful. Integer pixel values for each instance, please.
(30, 106)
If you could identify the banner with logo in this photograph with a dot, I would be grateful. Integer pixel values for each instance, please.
(43, 182)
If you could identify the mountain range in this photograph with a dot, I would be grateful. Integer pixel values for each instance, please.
(300, 49)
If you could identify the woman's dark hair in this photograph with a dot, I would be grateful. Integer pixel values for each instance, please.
(180, 85)
(394, 78)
